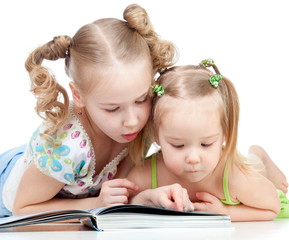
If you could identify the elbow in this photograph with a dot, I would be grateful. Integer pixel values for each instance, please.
(17, 209)
(276, 210)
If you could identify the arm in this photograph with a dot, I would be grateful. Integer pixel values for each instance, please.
(36, 192)
(258, 197)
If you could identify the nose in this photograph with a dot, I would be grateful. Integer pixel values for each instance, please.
(193, 157)
(130, 118)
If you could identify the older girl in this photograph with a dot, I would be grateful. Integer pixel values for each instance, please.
(86, 142)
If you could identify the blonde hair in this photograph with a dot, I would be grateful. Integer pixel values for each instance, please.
(100, 42)
(192, 82)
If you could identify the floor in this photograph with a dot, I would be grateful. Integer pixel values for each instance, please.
(74, 231)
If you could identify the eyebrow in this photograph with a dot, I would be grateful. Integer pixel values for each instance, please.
(203, 138)
(114, 104)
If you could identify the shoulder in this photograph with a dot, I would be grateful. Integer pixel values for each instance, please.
(70, 157)
(251, 186)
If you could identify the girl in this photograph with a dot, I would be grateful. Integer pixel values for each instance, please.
(195, 119)
(86, 142)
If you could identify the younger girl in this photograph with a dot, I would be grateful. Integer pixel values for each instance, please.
(195, 119)
(83, 143)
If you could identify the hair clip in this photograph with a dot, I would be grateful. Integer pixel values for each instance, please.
(215, 79)
(158, 89)
(207, 62)
(67, 52)
(162, 70)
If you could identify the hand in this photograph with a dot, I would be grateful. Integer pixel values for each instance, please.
(115, 192)
(172, 197)
(208, 203)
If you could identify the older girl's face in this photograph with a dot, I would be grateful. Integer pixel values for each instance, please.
(119, 104)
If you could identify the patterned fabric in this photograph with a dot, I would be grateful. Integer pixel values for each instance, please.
(72, 163)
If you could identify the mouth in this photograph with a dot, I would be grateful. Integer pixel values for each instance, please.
(130, 137)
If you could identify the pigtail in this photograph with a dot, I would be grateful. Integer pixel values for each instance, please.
(231, 118)
(230, 125)
(45, 87)
(163, 53)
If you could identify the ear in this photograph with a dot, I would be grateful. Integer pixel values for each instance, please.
(76, 95)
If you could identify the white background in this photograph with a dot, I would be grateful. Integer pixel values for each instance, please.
(247, 39)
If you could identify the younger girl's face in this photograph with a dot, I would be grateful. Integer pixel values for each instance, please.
(119, 104)
(191, 137)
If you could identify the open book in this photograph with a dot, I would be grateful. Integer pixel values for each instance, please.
(124, 217)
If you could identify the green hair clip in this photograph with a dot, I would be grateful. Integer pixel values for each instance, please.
(158, 89)
(162, 70)
(207, 62)
(215, 79)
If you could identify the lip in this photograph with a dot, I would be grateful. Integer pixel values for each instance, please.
(130, 137)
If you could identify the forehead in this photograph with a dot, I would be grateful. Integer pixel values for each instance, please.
(120, 81)
(186, 116)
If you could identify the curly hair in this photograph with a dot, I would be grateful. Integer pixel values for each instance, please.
(99, 43)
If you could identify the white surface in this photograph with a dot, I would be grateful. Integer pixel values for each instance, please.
(242, 230)
(247, 39)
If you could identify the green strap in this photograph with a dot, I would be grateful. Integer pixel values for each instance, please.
(154, 172)
(227, 200)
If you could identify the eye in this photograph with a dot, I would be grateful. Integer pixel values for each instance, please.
(143, 100)
(112, 110)
(178, 146)
(206, 144)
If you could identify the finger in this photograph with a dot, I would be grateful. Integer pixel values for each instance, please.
(186, 201)
(198, 206)
(191, 207)
(122, 182)
(188, 205)
(177, 193)
(118, 192)
(165, 202)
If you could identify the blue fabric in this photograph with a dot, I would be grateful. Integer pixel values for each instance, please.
(7, 161)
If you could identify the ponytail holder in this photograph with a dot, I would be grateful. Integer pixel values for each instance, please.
(158, 89)
(215, 79)
(207, 62)
(162, 70)
(67, 52)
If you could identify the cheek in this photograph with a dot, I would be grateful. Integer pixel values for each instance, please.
(173, 163)
(145, 110)
(143, 114)
(104, 121)
(213, 158)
